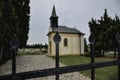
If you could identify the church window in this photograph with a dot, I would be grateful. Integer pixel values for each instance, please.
(65, 42)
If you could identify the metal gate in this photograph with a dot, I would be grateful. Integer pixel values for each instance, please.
(61, 70)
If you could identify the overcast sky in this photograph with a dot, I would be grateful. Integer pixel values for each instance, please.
(72, 13)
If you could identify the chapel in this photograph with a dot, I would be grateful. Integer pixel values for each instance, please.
(72, 40)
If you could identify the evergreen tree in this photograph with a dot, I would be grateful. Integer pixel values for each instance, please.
(116, 28)
(46, 46)
(6, 27)
(22, 11)
(105, 30)
(14, 19)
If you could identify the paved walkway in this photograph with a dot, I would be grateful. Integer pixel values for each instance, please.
(38, 62)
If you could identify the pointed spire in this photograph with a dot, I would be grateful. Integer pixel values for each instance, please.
(54, 18)
(53, 12)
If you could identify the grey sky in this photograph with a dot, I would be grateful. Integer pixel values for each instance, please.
(72, 13)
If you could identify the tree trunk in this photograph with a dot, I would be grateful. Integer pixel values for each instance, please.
(103, 49)
(1, 52)
(115, 53)
(103, 52)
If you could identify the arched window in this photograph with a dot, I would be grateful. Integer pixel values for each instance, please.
(65, 42)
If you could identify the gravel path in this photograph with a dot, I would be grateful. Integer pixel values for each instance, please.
(38, 62)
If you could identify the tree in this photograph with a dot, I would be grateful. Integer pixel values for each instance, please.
(22, 11)
(14, 19)
(6, 28)
(46, 46)
(105, 24)
(105, 30)
(116, 28)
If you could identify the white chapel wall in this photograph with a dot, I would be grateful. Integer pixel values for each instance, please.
(73, 47)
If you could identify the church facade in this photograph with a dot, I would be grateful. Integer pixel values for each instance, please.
(72, 40)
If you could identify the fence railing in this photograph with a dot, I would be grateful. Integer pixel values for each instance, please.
(61, 70)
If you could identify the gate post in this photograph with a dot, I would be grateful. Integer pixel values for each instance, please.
(14, 43)
(57, 40)
(119, 61)
(118, 41)
(92, 41)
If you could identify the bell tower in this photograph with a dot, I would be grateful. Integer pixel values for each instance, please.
(54, 18)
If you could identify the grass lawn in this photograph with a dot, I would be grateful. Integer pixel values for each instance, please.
(106, 73)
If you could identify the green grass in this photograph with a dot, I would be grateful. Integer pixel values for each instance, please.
(106, 73)
(74, 60)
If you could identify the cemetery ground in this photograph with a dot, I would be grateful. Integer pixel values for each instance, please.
(106, 73)
(29, 62)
